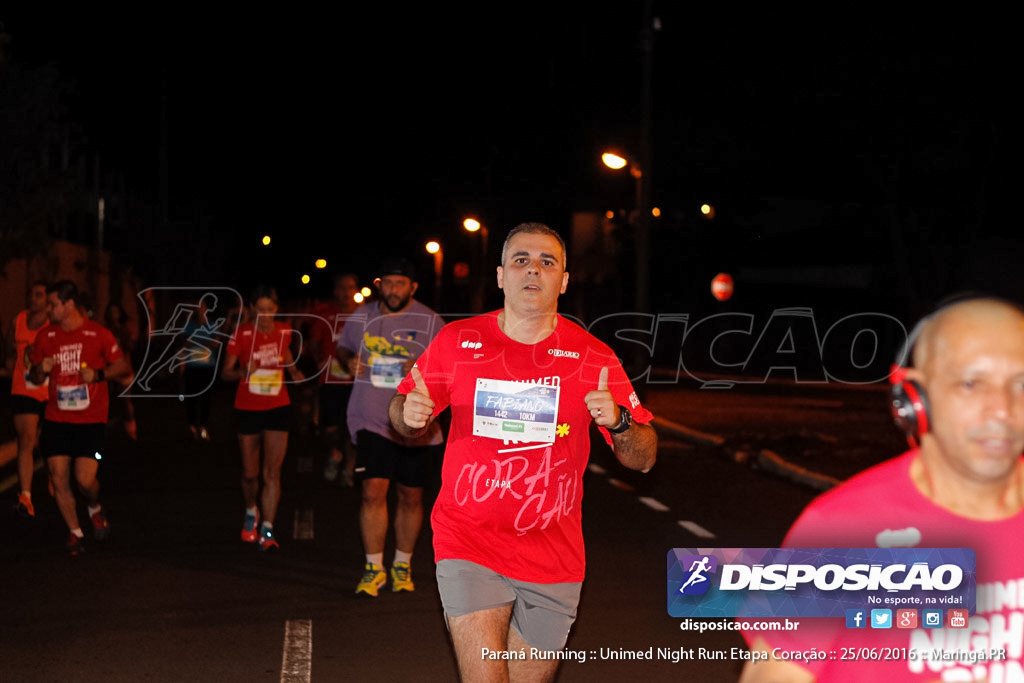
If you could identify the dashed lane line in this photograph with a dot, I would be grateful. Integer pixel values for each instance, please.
(695, 529)
(302, 529)
(297, 660)
(653, 503)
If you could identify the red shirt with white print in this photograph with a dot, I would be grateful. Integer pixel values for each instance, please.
(265, 388)
(512, 476)
(90, 345)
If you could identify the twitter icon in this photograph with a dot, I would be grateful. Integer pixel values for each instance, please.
(881, 618)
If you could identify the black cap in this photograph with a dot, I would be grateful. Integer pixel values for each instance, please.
(398, 266)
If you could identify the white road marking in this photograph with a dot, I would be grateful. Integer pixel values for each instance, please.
(297, 660)
(695, 529)
(654, 504)
(303, 528)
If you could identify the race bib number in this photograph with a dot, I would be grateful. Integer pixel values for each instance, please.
(73, 397)
(266, 382)
(515, 411)
(385, 371)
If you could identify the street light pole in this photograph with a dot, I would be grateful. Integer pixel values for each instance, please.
(434, 248)
(641, 229)
(640, 170)
(643, 181)
(473, 225)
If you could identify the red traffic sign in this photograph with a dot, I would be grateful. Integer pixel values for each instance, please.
(721, 286)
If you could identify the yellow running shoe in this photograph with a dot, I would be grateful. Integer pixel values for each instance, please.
(373, 578)
(401, 577)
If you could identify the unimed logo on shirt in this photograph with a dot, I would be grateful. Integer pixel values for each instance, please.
(816, 582)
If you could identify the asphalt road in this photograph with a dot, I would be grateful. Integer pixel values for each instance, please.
(173, 595)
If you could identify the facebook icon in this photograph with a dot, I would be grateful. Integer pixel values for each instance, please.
(856, 618)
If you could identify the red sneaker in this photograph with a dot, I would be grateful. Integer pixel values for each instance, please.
(100, 527)
(250, 527)
(75, 545)
(24, 506)
(267, 540)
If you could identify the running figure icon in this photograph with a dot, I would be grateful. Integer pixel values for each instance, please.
(696, 573)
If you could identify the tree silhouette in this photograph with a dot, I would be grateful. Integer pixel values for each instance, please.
(39, 187)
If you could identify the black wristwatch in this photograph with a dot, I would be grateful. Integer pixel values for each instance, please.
(625, 421)
(99, 376)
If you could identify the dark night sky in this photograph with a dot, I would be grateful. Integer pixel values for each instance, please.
(386, 125)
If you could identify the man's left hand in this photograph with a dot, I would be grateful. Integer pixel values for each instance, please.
(418, 408)
(601, 404)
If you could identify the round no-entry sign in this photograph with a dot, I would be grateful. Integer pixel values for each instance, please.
(721, 286)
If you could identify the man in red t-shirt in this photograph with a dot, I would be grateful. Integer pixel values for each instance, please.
(79, 356)
(524, 385)
(335, 379)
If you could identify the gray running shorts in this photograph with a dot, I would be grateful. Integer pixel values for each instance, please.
(542, 613)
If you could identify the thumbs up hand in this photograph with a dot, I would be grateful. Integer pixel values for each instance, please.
(601, 404)
(419, 407)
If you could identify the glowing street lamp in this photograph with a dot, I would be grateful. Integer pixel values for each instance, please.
(613, 161)
(616, 163)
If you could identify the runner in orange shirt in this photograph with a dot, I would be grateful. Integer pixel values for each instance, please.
(27, 399)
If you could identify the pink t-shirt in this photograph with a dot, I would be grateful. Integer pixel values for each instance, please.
(881, 507)
(512, 478)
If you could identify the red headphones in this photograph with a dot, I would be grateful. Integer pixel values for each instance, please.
(908, 402)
